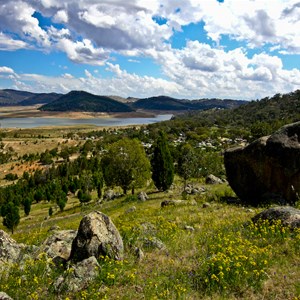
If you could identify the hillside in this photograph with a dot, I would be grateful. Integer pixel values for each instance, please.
(10, 97)
(82, 101)
(284, 107)
(249, 121)
(40, 99)
(13, 97)
(172, 104)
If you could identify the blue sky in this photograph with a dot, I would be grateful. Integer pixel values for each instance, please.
(186, 49)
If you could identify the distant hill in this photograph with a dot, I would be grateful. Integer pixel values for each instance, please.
(172, 104)
(42, 98)
(13, 97)
(83, 101)
(255, 118)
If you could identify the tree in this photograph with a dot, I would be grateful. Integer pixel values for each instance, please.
(162, 164)
(126, 165)
(11, 216)
(98, 182)
(27, 206)
(187, 164)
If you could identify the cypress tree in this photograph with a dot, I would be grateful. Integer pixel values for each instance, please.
(162, 164)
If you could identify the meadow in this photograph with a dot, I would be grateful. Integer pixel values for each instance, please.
(209, 251)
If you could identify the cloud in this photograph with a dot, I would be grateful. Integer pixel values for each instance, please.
(16, 17)
(6, 70)
(9, 44)
(204, 71)
(83, 52)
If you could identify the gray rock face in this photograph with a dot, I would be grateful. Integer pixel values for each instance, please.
(153, 242)
(212, 179)
(130, 210)
(4, 296)
(10, 250)
(142, 196)
(289, 216)
(97, 235)
(78, 276)
(59, 244)
(110, 195)
(268, 169)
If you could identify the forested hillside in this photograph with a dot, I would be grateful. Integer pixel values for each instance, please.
(83, 101)
(252, 120)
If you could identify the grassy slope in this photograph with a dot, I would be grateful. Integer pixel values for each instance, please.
(191, 262)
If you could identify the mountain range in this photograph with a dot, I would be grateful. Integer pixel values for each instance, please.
(83, 101)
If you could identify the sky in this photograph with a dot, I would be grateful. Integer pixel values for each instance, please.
(191, 49)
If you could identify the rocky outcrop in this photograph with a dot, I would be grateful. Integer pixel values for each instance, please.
(78, 276)
(97, 235)
(289, 216)
(10, 250)
(212, 179)
(4, 296)
(142, 196)
(177, 203)
(268, 169)
(58, 246)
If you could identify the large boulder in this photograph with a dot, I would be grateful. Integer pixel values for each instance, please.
(289, 216)
(267, 169)
(97, 235)
(10, 250)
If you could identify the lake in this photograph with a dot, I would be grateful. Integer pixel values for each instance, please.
(33, 122)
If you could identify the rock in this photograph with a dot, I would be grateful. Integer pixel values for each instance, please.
(130, 210)
(189, 228)
(142, 196)
(177, 202)
(10, 250)
(268, 169)
(139, 253)
(97, 235)
(54, 228)
(212, 179)
(205, 205)
(153, 242)
(78, 276)
(289, 216)
(4, 296)
(109, 195)
(58, 245)
(148, 228)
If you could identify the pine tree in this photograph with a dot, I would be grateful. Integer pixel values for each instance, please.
(27, 206)
(162, 164)
(11, 216)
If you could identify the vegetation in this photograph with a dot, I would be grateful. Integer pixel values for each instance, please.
(222, 258)
(83, 101)
(162, 164)
(162, 103)
(126, 165)
(11, 216)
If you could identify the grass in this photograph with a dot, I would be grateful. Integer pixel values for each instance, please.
(224, 257)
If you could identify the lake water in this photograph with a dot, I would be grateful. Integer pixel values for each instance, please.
(106, 122)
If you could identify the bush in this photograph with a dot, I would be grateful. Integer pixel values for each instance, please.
(11, 176)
